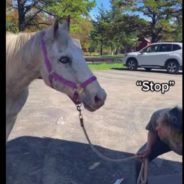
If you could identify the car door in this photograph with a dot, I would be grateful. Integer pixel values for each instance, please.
(149, 56)
(164, 52)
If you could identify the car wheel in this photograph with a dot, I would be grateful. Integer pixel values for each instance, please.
(147, 69)
(132, 64)
(172, 66)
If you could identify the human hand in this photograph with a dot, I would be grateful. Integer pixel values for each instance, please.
(144, 154)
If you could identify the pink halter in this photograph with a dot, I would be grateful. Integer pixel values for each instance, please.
(77, 88)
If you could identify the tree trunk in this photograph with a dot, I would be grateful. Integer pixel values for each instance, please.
(112, 50)
(153, 38)
(21, 14)
(153, 31)
(101, 48)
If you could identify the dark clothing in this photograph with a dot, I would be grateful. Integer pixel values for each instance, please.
(153, 120)
(151, 126)
(160, 146)
(159, 149)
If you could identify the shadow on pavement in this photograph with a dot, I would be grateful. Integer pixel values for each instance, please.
(152, 71)
(34, 160)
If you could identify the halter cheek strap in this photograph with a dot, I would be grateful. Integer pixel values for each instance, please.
(77, 88)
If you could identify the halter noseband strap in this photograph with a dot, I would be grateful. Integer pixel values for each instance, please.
(77, 88)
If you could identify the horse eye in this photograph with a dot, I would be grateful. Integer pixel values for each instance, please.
(64, 59)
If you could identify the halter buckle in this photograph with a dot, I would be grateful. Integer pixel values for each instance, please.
(79, 89)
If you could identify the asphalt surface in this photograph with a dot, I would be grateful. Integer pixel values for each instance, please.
(47, 144)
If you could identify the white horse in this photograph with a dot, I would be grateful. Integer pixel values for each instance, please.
(58, 58)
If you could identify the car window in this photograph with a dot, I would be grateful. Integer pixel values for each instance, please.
(176, 47)
(151, 48)
(165, 48)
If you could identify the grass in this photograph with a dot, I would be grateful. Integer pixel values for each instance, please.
(104, 55)
(105, 66)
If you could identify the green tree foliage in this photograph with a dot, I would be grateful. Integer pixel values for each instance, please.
(82, 31)
(101, 27)
(74, 8)
(77, 9)
(115, 30)
(125, 30)
(163, 16)
(11, 18)
(29, 10)
(12, 21)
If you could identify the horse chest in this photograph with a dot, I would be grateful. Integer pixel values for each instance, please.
(15, 104)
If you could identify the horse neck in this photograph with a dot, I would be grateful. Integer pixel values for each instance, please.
(24, 66)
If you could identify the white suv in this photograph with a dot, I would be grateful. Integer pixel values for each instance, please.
(162, 55)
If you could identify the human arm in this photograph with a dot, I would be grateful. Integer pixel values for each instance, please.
(151, 140)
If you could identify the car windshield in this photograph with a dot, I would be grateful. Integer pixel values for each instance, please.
(150, 48)
(144, 49)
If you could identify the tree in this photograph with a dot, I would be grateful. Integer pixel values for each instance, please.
(126, 31)
(12, 21)
(11, 17)
(177, 24)
(116, 31)
(101, 27)
(82, 32)
(125, 28)
(161, 13)
(57, 8)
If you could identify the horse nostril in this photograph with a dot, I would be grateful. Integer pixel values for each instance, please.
(97, 99)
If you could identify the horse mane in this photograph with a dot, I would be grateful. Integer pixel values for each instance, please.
(14, 42)
(21, 51)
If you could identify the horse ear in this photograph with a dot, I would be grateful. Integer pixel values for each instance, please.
(56, 26)
(66, 24)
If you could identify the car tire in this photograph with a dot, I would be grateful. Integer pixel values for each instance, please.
(147, 69)
(172, 66)
(131, 64)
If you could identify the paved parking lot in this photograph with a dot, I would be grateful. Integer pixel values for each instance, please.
(47, 144)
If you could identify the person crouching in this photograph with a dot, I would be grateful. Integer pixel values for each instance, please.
(164, 135)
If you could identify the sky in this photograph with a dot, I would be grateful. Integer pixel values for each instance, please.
(14, 2)
(100, 3)
(106, 5)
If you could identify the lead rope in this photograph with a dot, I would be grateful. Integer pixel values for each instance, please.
(143, 174)
(142, 178)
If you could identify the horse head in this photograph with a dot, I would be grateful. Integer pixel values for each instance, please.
(64, 67)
